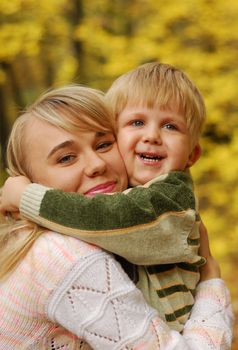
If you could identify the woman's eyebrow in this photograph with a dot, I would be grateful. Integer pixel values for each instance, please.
(103, 133)
(60, 146)
(68, 143)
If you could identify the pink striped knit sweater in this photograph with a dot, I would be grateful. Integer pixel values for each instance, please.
(67, 294)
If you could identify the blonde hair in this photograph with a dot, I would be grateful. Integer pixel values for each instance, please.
(72, 108)
(163, 86)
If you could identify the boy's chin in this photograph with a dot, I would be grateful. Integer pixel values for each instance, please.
(135, 182)
(141, 181)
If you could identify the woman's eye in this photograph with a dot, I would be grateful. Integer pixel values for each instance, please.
(137, 122)
(66, 159)
(105, 145)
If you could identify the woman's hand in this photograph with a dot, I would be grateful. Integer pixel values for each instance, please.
(11, 193)
(211, 269)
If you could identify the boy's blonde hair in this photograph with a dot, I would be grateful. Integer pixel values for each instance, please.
(71, 108)
(161, 85)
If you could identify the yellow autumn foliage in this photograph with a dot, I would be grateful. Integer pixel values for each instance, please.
(45, 43)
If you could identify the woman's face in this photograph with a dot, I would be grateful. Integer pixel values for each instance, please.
(86, 162)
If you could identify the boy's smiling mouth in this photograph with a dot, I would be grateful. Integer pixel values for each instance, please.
(150, 157)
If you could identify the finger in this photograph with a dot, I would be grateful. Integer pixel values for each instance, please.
(204, 249)
(15, 215)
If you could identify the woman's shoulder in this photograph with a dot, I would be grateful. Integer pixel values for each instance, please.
(51, 257)
(47, 264)
(59, 246)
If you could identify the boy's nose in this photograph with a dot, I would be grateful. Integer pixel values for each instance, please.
(95, 165)
(152, 135)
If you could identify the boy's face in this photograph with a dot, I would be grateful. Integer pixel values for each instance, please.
(153, 142)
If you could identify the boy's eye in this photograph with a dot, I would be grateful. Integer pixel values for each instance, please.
(170, 126)
(66, 159)
(105, 146)
(137, 122)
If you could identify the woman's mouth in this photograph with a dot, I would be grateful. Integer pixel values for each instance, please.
(107, 187)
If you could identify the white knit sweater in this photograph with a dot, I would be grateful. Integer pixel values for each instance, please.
(67, 294)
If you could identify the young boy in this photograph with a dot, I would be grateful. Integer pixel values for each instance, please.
(159, 114)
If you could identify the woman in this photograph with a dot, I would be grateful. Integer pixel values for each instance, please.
(59, 292)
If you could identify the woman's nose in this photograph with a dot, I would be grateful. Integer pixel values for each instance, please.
(95, 165)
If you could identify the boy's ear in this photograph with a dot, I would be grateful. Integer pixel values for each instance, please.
(195, 155)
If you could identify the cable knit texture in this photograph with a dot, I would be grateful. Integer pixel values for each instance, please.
(66, 290)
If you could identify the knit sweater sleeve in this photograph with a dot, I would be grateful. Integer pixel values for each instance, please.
(161, 213)
(97, 302)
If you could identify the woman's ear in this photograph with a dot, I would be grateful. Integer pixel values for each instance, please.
(195, 155)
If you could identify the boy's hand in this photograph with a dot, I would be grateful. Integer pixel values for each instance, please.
(211, 269)
(11, 193)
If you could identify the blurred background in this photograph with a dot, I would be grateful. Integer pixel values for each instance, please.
(53, 42)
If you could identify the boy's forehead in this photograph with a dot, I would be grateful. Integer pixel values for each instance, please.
(171, 107)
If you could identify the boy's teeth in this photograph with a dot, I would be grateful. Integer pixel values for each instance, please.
(150, 158)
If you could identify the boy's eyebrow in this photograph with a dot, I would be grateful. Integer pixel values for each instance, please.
(59, 146)
(135, 115)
